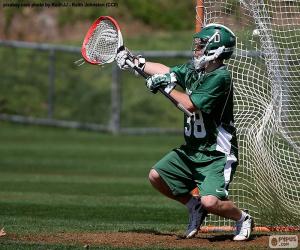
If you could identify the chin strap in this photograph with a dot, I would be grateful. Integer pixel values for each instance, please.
(200, 63)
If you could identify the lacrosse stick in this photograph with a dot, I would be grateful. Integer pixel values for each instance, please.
(102, 43)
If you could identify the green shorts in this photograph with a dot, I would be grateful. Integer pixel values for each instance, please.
(211, 172)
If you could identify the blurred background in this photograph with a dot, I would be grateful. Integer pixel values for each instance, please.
(40, 80)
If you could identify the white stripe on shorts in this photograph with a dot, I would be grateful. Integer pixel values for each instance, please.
(231, 159)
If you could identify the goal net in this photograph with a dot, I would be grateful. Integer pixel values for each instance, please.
(266, 75)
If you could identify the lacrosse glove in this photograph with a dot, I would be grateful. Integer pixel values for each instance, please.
(121, 57)
(165, 81)
(124, 54)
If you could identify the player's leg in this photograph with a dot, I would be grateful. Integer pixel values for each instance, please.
(227, 209)
(224, 208)
(214, 190)
(171, 177)
(196, 212)
(159, 184)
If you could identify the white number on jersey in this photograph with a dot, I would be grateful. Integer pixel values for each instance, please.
(198, 125)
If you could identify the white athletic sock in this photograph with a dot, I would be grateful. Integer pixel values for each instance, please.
(242, 217)
(191, 203)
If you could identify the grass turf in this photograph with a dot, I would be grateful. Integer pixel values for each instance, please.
(55, 180)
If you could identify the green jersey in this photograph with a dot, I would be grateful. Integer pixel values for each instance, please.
(211, 126)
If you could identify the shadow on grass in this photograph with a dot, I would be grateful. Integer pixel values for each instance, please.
(229, 237)
(211, 238)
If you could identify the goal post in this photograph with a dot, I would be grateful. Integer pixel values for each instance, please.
(199, 20)
(266, 75)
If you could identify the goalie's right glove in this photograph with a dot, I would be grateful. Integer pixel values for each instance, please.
(124, 54)
(166, 81)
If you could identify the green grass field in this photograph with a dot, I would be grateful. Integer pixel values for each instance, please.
(55, 180)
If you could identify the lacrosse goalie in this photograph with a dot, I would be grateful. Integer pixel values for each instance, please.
(209, 157)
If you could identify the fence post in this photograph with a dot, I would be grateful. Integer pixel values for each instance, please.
(51, 86)
(115, 100)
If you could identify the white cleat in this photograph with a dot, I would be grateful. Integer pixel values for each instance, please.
(244, 229)
(197, 215)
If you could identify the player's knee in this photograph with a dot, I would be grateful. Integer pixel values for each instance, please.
(209, 202)
(153, 176)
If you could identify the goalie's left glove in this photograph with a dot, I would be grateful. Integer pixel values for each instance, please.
(166, 81)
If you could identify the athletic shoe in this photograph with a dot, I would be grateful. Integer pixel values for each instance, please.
(197, 215)
(244, 229)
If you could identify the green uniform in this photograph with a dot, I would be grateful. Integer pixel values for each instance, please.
(209, 156)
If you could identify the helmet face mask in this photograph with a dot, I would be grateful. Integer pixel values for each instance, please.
(199, 43)
(211, 38)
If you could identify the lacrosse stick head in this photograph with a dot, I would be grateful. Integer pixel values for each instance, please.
(102, 41)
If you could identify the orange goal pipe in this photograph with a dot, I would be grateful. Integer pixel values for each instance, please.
(199, 14)
(215, 229)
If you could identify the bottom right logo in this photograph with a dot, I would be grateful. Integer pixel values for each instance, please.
(283, 241)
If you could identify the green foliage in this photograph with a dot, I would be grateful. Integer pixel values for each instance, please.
(160, 14)
(73, 15)
(171, 40)
(164, 14)
(23, 89)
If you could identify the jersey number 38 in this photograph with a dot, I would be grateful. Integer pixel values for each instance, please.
(195, 125)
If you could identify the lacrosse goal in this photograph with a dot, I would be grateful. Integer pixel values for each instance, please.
(266, 74)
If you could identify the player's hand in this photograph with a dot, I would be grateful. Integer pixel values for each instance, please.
(166, 81)
(121, 58)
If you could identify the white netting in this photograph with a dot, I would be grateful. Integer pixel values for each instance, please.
(103, 44)
(266, 75)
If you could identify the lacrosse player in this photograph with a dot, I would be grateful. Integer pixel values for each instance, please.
(208, 158)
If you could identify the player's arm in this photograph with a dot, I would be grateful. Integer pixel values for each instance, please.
(149, 68)
(152, 68)
(160, 77)
(183, 99)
